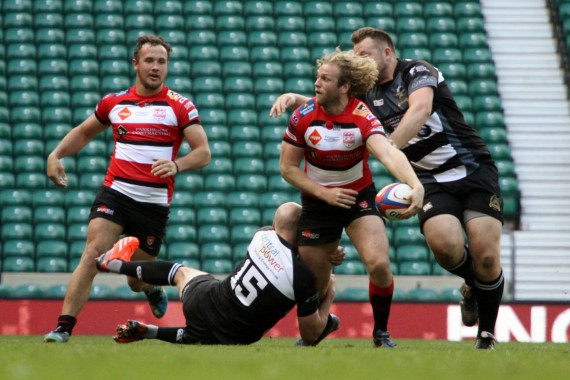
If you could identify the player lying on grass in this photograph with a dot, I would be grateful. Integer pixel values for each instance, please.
(241, 308)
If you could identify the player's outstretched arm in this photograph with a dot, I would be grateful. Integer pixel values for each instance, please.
(287, 100)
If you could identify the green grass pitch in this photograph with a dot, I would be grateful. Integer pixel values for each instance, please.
(98, 357)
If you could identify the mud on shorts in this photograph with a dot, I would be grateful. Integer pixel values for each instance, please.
(479, 192)
(321, 223)
(146, 221)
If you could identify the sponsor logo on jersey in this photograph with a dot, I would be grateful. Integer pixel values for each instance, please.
(290, 135)
(315, 137)
(121, 92)
(105, 210)
(378, 102)
(307, 108)
(124, 113)
(295, 119)
(307, 234)
(401, 95)
(424, 132)
(159, 113)
(361, 110)
(418, 69)
(122, 131)
(348, 139)
(173, 95)
(193, 114)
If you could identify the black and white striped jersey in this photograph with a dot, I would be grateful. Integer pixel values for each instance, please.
(446, 148)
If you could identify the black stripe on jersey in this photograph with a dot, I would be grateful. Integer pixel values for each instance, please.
(142, 183)
(322, 123)
(143, 103)
(333, 168)
(415, 152)
(148, 143)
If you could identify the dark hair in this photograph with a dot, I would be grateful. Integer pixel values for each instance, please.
(150, 39)
(376, 34)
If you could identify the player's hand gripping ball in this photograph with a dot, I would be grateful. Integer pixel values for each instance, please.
(391, 201)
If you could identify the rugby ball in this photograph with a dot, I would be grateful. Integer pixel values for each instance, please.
(390, 200)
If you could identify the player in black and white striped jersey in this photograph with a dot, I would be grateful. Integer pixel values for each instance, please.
(267, 284)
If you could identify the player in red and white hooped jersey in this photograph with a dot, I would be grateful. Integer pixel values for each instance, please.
(149, 122)
(335, 133)
(145, 128)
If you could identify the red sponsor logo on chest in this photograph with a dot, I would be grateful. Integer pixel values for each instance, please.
(315, 137)
(124, 113)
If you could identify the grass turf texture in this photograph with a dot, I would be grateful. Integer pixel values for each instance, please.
(95, 357)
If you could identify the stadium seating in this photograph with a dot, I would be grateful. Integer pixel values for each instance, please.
(233, 59)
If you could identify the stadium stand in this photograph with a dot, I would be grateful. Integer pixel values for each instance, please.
(233, 59)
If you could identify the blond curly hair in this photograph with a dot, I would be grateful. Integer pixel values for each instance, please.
(360, 72)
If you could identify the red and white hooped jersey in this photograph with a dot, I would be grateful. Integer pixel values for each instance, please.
(335, 145)
(144, 128)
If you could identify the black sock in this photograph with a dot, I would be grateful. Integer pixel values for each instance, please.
(464, 269)
(489, 295)
(171, 334)
(152, 272)
(65, 323)
(381, 301)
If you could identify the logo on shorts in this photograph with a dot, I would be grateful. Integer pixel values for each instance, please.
(428, 206)
(496, 202)
(139, 272)
(105, 210)
(150, 240)
(363, 204)
(307, 234)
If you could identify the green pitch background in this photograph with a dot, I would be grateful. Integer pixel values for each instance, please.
(88, 357)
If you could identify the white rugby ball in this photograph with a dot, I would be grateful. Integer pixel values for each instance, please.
(391, 201)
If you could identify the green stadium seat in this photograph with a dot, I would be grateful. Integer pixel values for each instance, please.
(449, 294)
(126, 293)
(101, 291)
(235, 84)
(49, 231)
(457, 86)
(451, 55)
(494, 135)
(483, 87)
(290, 23)
(470, 24)
(14, 197)
(443, 40)
(55, 99)
(410, 25)
(484, 119)
(255, 7)
(423, 294)
(212, 215)
(452, 70)
(268, 84)
(31, 164)
(6, 163)
(272, 149)
(245, 215)
(506, 168)
(245, 133)
(210, 199)
(349, 24)
(251, 182)
(249, 149)
(319, 24)
(263, 103)
(16, 214)
(78, 214)
(248, 165)
(17, 264)
(180, 232)
(31, 180)
(347, 8)
(353, 294)
(211, 233)
(408, 235)
(242, 233)
(264, 53)
(180, 250)
(218, 165)
(408, 9)
(22, 82)
(51, 264)
(477, 55)
(189, 182)
(259, 23)
(28, 291)
(292, 38)
(438, 9)
(217, 132)
(81, 197)
(437, 270)
(7, 179)
(21, 51)
(509, 186)
(217, 266)
(267, 69)
(412, 40)
(294, 54)
(417, 53)
(239, 251)
(238, 199)
(287, 8)
(18, 35)
(467, 9)
(227, 7)
(18, 247)
(49, 214)
(414, 268)
(412, 253)
(229, 22)
(350, 267)
(56, 291)
(215, 251)
(220, 182)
